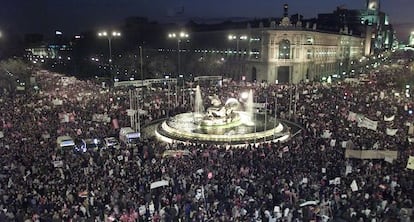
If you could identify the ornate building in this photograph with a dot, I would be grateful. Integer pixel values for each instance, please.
(282, 51)
(292, 54)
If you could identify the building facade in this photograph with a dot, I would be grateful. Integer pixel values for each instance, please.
(411, 39)
(283, 52)
(290, 55)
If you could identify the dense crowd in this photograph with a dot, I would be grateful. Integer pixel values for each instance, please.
(303, 179)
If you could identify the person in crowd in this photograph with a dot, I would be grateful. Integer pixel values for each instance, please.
(311, 181)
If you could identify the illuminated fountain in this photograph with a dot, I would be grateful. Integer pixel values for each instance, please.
(198, 102)
(235, 123)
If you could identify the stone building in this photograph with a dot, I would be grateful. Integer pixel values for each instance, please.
(283, 51)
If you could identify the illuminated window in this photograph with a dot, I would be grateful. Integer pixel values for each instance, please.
(309, 40)
(309, 54)
(284, 49)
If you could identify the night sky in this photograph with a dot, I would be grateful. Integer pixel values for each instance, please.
(73, 16)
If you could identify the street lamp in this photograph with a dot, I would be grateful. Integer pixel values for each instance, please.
(179, 36)
(109, 36)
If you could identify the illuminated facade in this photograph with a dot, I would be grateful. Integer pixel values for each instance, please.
(411, 39)
(282, 52)
(296, 54)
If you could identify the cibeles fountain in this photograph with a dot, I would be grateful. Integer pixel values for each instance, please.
(236, 122)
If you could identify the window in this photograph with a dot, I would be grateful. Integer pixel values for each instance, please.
(309, 54)
(309, 40)
(284, 49)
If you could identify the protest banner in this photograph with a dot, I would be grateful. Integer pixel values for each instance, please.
(367, 123)
(104, 118)
(58, 163)
(348, 169)
(354, 186)
(157, 184)
(352, 116)
(411, 129)
(410, 163)
(326, 134)
(389, 119)
(57, 102)
(175, 153)
(371, 154)
(391, 132)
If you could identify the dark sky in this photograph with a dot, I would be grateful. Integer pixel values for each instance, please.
(73, 16)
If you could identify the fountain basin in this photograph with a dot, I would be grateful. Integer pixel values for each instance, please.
(183, 128)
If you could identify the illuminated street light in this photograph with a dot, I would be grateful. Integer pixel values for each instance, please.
(179, 37)
(114, 34)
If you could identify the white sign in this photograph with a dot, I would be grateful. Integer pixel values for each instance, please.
(58, 163)
(391, 132)
(389, 119)
(326, 134)
(157, 184)
(354, 186)
(367, 123)
(57, 102)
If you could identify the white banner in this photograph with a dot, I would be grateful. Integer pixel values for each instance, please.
(101, 118)
(354, 186)
(348, 169)
(65, 118)
(326, 134)
(410, 163)
(391, 132)
(157, 184)
(58, 163)
(382, 95)
(352, 116)
(388, 159)
(411, 129)
(332, 143)
(367, 123)
(389, 119)
(57, 102)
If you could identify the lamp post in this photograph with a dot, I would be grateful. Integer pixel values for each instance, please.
(182, 77)
(109, 36)
(237, 38)
(179, 36)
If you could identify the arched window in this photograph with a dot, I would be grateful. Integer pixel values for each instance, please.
(284, 49)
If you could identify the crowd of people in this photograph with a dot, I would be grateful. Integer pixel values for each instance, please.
(306, 178)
